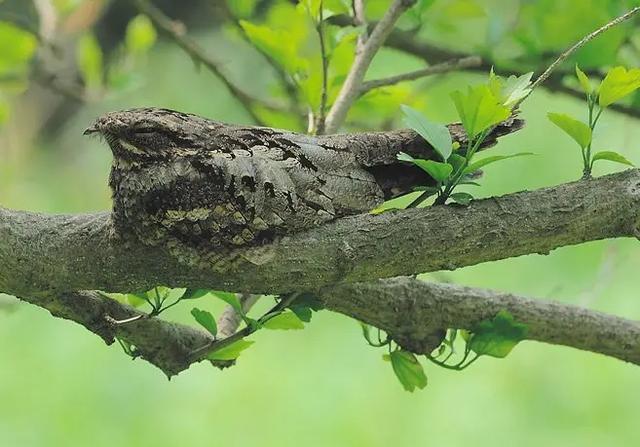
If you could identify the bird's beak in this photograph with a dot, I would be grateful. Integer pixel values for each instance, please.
(91, 129)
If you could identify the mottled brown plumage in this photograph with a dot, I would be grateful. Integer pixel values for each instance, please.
(182, 178)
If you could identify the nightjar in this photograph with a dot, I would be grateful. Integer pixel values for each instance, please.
(183, 178)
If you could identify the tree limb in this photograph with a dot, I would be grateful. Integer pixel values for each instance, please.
(43, 253)
(413, 310)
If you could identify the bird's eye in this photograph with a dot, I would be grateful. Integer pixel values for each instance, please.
(144, 130)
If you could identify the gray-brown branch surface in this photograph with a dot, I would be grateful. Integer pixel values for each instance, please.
(43, 253)
(49, 260)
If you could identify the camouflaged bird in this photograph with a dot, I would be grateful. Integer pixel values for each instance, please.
(183, 178)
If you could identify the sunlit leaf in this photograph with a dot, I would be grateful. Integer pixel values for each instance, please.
(516, 88)
(230, 298)
(488, 160)
(408, 370)
(577, 130)
(618, 83)
(206, 320)
(242, 8)
(437, 135)
(439, 171)
(230, 352)
(89, 59)
(584, 81)
(511, 90)
(463, 198)
(611, 156)
(284, 321)
(497, 337)
(17, 47)
(279, 44)
(140, 34)
(479, 109)
(194, 294)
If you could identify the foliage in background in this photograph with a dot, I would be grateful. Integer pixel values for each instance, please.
(618, 83)
(287, 34)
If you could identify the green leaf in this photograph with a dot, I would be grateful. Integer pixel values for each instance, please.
(135, 299)
(488, 160)
(463, 198)
(305, 313)
(140, 34)
(497, 337)
(437, 135)
(439, 171)
(611, 156)
(618, 83)
(89, 60)
(284, 321)
(279, 44)
(577, 130)
(515, 88)
(194, 294)
(206, 320)
(479, 109)
(584, 81)
(242, 8)
(408, 370)
(17, 47)
(457, 161)
(366, 333)
(230, 298)
(230, 352)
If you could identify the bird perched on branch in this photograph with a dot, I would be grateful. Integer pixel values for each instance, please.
(180, 177)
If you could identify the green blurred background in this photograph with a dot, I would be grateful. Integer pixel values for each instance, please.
(60, 385)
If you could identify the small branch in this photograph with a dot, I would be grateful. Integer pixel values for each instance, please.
(444, 67)
(351, 87)
(412, 311)
(176, 32)
(319, 127)
(360, 19)
(575, 47)
(406, 42)
(215, 345)
(230, 319)
(48, 18)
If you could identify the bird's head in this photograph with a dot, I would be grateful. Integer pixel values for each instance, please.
(149, 133)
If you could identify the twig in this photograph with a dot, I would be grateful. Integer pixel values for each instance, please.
(320, 119)
(229, 321)
(177, 33)
(456, 64)
(48, 18)
(351, 87)
(360, 19)
(575, 47)
(217, 344)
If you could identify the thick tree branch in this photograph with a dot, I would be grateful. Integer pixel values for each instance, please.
(41, 253)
